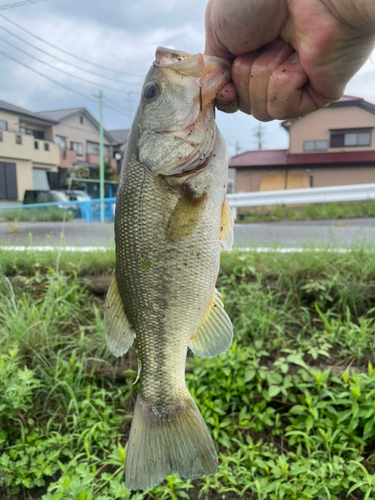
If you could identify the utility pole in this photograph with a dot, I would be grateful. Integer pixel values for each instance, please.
(258, 133)
(101, 153)
(101, 168)
(237, 147)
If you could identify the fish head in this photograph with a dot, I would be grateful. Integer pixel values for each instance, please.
(177, 117)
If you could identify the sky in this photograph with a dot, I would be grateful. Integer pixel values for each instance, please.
(120, 35)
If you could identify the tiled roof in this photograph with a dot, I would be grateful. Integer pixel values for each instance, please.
(261, 157)
(280, 157)
(60, 114)
(119, 135)
(6, 106)
(329, 158)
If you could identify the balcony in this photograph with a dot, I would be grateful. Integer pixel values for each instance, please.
(24, 147)
(95, 159)
(67, 158)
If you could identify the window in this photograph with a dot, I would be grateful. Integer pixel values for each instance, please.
(61, 141)
(18, 139)
(230, 187)
(3, 125)
(1, 136)
(36, 145)
(321, 145)
(350, 139)
(93, 148)
(315, 145)
(77, 147)
(81, 120)
(37, 134)
(46, 146)
(364, 139)
(26, 131)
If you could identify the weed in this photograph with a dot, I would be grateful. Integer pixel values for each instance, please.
(286, 425)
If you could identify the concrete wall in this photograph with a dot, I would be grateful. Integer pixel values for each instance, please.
(12, 120)
(249, 180)
(317, 125)
(24, 170)
(26, 150)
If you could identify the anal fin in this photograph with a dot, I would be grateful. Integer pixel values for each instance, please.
(226, 229)
(119, 333)
(215, 334)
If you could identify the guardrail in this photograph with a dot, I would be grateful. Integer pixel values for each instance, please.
(354, 192)
(88, 210)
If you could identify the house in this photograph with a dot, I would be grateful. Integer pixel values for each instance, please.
(120, 140)
(77, 135)
(330, 147)
(28, 155)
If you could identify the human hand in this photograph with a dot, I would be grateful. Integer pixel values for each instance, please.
(290, 57)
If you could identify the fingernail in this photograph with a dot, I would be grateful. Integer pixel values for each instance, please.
(294, 58)
(276, 45)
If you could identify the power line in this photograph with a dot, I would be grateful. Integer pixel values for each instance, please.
(65, 51)
(56, 82)
(68, 63)
(63, 71)
(19, 4)
(127, 113)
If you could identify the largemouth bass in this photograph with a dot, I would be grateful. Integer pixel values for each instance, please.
(171, 215)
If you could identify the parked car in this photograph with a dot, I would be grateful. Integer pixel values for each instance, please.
(78, 195)
(41, 196)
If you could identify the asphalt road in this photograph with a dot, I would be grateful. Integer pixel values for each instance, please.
(296, 234)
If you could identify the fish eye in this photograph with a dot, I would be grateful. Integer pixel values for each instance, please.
(151, 90)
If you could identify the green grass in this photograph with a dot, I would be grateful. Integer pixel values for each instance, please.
(29, 262)
(34, 214)
(290, 406)
(347, 210)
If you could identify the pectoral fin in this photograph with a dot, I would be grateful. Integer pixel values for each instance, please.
(184, 217)
(215, 334)
(119, 333)
(226, 229)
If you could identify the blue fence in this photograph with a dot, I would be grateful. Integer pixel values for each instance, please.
(88, 210)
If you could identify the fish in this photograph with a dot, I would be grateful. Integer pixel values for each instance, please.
(171, 219)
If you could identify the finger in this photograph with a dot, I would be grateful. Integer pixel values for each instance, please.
(236, 27)
(226, 99)
(290, 94)
(262, 69)
(227, 93)
(213, 43)
(241, 74)
(227, 107)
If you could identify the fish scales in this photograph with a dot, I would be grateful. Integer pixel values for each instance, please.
(177, 287)
(168, 225)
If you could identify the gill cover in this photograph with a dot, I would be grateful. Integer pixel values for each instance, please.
(177, 130)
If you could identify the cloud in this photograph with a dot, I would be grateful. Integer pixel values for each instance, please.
(120, 34)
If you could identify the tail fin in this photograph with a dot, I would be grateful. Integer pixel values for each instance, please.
(158, 446)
